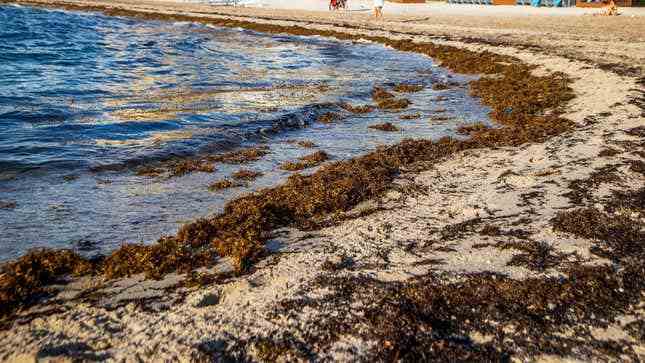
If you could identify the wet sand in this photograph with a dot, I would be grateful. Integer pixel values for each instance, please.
(449, 217)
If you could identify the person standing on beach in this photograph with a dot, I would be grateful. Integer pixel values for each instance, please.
(378, 8)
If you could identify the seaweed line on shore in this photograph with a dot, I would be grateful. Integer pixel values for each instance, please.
(525, 105)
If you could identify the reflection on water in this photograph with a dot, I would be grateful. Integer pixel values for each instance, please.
(85, 100)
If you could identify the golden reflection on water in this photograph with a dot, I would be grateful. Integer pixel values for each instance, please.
(142, 100)
(170, 104)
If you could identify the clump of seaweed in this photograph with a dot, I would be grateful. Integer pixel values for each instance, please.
(394, 104)
(224, 184)
(357, 109)
(539, 93)
(536, 256)
(631, 202)
(637, 330)
(469, 129)
(379, 94)
(608, 152)
(149, 171)
(306, 144)
(20, 280)
(408, 88)
(388, 126)
(184, 167)
(582, 189)
(637, 166)
(617, 236)
(328, 117)
(344, 262)
(440, 86)
(412, 116)
(306, 162)
(242, 156)
(155, 260)
(246, 174)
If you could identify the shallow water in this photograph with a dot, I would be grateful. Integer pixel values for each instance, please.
(85, 99)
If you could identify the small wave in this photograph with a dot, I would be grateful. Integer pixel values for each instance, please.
(154, 139)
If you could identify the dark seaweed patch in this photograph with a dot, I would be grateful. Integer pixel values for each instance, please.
(246, 174)
(183, 167)
(224, 184)
(608, 152)
(437, 316)
(394, 104)
(242, 156)
(408, 88)
(637, 166)
(357, 109)
(22, 279)
(149, 171)
(536, 256)
(469, 129)
(388, 126)
(412, 116)
(582, 189)
(617, 236)
(306, 162)
(328, 117)
(306, 144)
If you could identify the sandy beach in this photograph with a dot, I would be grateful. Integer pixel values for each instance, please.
(489, 253)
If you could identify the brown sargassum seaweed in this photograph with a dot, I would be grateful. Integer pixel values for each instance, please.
(388, 127)
(224, 184)
(520, 101)
(306, 162)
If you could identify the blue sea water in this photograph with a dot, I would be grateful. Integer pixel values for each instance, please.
(85, 99)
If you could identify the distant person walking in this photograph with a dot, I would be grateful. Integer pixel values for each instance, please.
(378, 8)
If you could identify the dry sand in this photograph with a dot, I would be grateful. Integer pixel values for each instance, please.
(132, 319)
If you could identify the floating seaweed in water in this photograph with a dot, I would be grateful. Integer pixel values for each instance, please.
(386, 100)
(444, 86)
(388, 126)
(149, 171)
(357, 109)
(306, 144)
(328, 117)
(246, 174)
(224, 184)
(242, 156)
(184, 167)
(408, 88)
(412, 116)
(394, 104)
(306, 162)
(379, 94)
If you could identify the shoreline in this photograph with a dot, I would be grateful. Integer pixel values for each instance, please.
(428, 158)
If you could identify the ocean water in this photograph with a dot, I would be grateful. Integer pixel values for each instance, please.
(86, 99)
